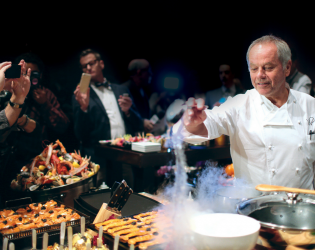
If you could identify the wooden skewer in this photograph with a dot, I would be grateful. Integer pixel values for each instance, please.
(34, 239)
(62, 235)
(45, 241)
(116, 242)
(70, 234)
(11, 246)
(88, 246)
(100, 237)
(5, 244)
(82, 225)
(273, 188)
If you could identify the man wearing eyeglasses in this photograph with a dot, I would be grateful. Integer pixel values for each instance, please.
(105, 111)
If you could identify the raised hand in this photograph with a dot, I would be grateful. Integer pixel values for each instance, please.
(82, 98)
(3, 67)
(20, 87)
(194, 116)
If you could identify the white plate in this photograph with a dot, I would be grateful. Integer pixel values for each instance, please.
(146, 143)
(105, 141)
(194, 139)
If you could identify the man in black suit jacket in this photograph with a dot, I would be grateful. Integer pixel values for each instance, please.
(104, 111)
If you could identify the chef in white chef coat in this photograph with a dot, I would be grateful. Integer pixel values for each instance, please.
(270, 126)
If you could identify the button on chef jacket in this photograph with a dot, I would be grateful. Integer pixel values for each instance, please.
(269, 145)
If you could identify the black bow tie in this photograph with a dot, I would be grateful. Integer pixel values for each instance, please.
(105, 84)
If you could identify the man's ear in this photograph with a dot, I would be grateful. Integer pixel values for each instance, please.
(288, 68)
(102, 64)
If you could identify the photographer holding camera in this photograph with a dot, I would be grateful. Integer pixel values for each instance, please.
(41, 103)
(13, 121)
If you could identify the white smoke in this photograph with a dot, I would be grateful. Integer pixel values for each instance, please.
(181, 209)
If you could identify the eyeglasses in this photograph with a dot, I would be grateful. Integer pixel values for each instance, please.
(92, 63)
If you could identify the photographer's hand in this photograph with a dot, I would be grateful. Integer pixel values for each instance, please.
(3, 81)
(20, 86)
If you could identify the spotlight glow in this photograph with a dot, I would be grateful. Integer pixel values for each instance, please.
(171, 83)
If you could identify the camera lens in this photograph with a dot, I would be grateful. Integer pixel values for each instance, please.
(35, 76)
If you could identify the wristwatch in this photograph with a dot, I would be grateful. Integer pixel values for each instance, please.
(16, 105)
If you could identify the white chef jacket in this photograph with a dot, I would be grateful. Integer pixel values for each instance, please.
(269, 145)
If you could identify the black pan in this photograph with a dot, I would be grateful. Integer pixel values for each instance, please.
(135, 205)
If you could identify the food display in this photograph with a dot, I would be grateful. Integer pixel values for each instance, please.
(126, 140)
(35, 215)
(54, 167)
(81, 241)
(142, 230)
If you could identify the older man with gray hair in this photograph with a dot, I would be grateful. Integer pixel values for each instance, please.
(271, 126)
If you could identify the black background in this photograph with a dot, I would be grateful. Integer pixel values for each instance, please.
(174, 36)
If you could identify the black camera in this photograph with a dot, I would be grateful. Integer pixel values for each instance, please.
(13, 72)
(35, 79)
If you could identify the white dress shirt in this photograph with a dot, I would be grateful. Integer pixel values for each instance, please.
(300, 82)
(108, 99)
(269, 145)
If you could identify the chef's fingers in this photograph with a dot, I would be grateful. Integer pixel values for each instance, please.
(200, 103)
(191, 102)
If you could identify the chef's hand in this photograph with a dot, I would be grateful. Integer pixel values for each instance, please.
(19, 87)
(39, 96)
(194, 117)
(82, 98)
(3, 81)
(125, 102)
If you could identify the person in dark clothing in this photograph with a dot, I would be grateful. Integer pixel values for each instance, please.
(140, 77)
(13, 123)
(42, 104)
(106, 111)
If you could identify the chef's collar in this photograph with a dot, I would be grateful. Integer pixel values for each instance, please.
(270, 106)
(291, 97)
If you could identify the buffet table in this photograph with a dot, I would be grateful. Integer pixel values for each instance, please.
(144, 165)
